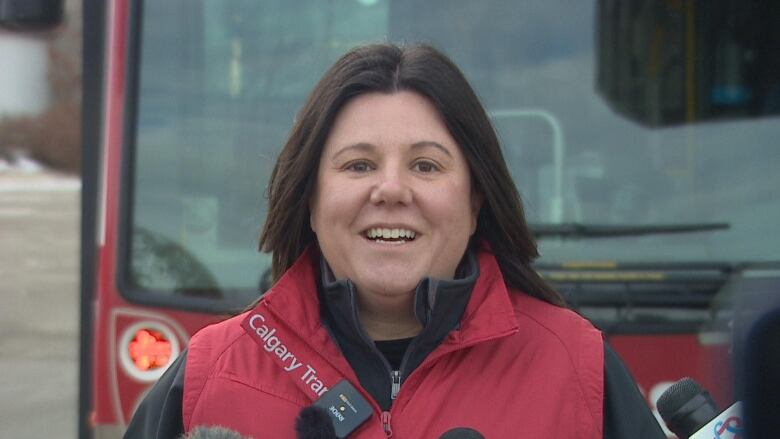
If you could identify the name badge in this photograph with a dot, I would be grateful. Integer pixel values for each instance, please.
(346, 407)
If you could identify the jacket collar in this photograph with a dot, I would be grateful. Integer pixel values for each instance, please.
(488, 311)
(438, 303)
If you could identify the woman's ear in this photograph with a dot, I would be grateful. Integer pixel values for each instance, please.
(312, 209)
(312, 217)
(476, 206)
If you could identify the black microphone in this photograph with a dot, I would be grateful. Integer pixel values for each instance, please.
(462, 433)
(690, 412)
(214, 432)
(313, 422)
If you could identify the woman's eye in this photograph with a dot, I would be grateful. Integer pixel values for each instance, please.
(425, 167)
(358, 167)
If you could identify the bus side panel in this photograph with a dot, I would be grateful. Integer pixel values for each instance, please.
(103, 417)
(93, 19)
(117, 386)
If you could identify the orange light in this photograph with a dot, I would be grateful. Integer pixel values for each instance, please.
(149, 349)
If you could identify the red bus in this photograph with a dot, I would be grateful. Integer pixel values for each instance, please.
(642, 135)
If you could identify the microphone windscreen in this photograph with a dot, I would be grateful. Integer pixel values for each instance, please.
(462, 433)
(685, 407)
(314, 423)
(214, 432)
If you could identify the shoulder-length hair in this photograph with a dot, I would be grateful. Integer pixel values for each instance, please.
(387, 68)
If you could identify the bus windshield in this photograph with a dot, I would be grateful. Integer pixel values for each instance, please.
(211, 115)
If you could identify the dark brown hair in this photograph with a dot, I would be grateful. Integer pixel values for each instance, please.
(387, 68)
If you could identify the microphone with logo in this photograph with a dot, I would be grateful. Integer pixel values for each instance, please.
(462, 433)
(314, 423)
(690, 412)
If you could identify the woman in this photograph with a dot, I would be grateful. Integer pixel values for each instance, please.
(402, 265)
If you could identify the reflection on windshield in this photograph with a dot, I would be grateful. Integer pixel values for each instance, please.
(213, 114)
(159, 261)
(666, 63)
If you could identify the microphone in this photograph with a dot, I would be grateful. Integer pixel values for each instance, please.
(214, 432)
(462, 433)
(313, 422)
(690, 412)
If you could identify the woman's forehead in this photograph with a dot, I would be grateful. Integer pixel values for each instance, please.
(402, 117)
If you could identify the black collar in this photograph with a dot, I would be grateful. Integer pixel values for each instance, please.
(438, 305)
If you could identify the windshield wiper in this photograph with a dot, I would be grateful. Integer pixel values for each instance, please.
(577, 230)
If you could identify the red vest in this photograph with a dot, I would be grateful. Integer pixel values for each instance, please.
(516, 367)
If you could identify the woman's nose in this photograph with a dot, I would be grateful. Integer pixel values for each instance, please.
(391, 188)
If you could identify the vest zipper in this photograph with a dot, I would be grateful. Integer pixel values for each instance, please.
(395, 377)
(386, 424)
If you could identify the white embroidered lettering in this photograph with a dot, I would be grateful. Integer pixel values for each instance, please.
(309, 372)
(280, 351)
(271, 344)
(294, 364)
(261, 330)
(253, 318)
(268, 335)
(290, 362)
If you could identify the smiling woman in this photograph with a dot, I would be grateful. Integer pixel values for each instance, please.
(426, 95)
(401, 259)
(390, 165)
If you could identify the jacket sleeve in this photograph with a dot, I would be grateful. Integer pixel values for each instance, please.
(626, 414)
(159, 415)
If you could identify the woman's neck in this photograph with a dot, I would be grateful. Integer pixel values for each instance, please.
(388, 321)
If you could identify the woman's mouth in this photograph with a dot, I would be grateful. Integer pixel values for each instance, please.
(394, 235)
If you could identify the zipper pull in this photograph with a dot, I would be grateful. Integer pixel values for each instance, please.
(396, 378)
(386, 424)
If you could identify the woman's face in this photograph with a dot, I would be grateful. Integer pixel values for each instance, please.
(393, 201)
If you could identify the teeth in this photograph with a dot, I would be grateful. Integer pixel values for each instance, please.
(378, 232)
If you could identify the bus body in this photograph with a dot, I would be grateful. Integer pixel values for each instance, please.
(644, 147)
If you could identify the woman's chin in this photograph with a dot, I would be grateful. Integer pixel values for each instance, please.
(389, 285)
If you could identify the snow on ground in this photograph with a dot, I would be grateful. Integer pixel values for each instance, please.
(20, 173)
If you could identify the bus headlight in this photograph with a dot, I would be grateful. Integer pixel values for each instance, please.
(146, 349)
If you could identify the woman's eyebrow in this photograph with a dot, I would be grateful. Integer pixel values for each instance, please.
(360, 146)
(369, 147)
(426, 143)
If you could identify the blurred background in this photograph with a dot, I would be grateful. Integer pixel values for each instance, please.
(40, 108)
(642, 135)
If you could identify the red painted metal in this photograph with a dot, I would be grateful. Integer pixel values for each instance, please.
(115, 392)
(655, 360)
